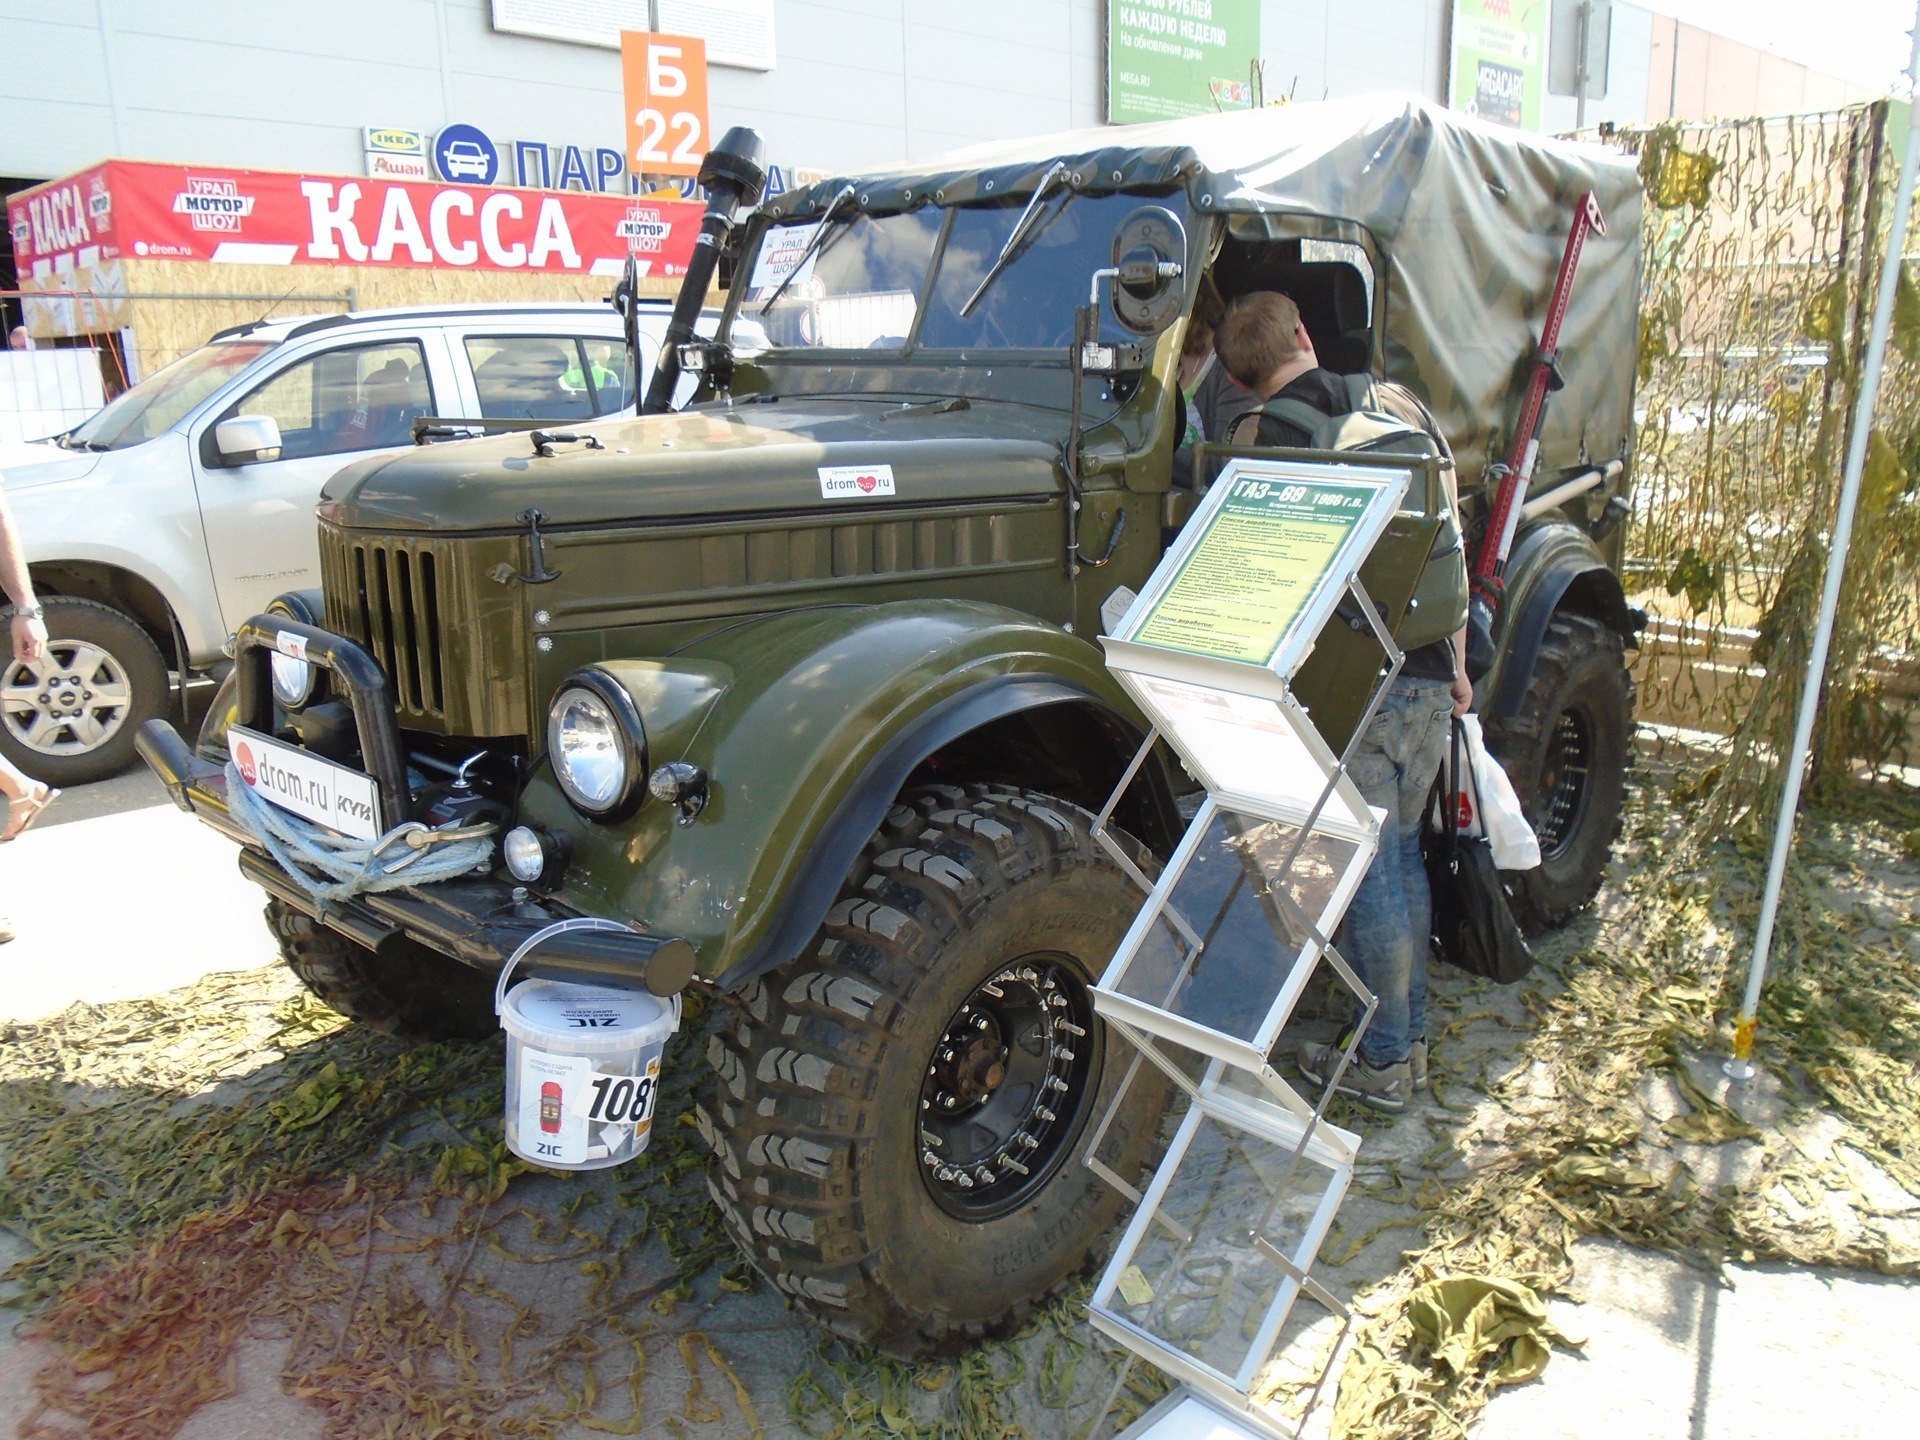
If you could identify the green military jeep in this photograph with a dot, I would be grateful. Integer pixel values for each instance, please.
(802, 682)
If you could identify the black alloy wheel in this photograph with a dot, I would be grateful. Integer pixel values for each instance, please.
(1006, 1089)
(1565, 775)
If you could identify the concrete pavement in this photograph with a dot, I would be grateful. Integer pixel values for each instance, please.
(1673, 1354)
(115, 894)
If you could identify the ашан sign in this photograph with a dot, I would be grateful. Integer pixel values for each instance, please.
(126, 210)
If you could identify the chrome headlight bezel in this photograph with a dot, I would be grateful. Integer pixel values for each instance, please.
(626, 734)
(296, 683)
(294, 680)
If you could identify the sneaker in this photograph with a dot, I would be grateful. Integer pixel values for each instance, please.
(1416, 1057)
(1385, 1089)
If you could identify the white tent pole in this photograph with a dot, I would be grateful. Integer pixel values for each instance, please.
(1740, 1067)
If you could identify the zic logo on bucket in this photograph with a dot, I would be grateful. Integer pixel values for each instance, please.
(213, 204)
(643, 229)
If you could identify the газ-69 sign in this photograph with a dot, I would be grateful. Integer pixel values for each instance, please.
(124, 210)
(665, 80)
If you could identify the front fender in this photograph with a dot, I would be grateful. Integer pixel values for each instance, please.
(1554, 565)
(808, 723)
(134, 511)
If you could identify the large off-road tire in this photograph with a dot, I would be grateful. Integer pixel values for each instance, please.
(945, 997)
(71, 716)
(1567, 752)
(403, 988)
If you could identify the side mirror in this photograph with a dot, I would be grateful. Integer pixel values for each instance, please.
(622, 300)
(1149, 257)
(247, 438)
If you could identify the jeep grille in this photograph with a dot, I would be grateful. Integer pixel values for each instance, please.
(389, 600)
(432, 613)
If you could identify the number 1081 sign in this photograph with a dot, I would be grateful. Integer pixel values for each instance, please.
(665, 80)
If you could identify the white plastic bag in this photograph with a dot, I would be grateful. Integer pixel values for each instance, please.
(1489, 807)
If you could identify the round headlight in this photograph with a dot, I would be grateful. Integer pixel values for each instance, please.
(597, 746)
(526, 857)
(292, 681)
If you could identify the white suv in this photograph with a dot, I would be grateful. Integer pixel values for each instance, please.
(184, 506)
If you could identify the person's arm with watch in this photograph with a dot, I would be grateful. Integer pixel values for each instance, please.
(26, 620)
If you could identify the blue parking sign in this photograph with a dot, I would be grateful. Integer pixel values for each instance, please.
(464, 155)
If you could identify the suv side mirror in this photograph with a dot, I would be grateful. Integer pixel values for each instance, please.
(624, 301)
(247, 438)
(1149, 257)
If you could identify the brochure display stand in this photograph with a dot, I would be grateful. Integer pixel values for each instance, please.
(1223, 1239)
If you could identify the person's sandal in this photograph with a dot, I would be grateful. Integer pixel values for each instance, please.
(22, 813)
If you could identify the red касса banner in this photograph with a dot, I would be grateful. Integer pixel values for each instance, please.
(136, 211)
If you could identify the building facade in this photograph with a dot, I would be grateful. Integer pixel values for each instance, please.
(528, 93)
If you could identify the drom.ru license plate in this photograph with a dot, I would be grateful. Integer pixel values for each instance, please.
(304, 783)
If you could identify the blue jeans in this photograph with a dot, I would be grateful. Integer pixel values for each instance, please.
(1384, 935)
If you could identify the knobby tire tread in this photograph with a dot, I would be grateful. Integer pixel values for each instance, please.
(1580, 658)
(796, 1097)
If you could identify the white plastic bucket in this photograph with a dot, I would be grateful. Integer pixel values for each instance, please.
(583, 1068)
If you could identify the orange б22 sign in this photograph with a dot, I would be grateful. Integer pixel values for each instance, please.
(665, 79)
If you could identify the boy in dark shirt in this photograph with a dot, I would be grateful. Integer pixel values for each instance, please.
(1265, 347)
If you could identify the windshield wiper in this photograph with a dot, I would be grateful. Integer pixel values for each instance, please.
(816, 245)
(1024, 231)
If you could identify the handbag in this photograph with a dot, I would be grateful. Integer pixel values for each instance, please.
(1492, 808)
(1472, 923)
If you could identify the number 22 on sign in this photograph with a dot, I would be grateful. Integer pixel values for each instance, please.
(665, 80)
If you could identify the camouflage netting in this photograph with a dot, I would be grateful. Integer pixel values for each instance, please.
(1764, 241)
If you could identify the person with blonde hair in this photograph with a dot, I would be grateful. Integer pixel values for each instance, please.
(1265, 345)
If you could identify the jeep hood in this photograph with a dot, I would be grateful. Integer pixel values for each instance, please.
(798, 455)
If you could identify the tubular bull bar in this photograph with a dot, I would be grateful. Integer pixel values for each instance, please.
(479, 921)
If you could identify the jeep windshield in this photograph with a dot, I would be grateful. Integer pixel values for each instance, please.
(164, 398)
(897, 282)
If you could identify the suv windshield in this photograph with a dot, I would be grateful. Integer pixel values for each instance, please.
(160, 401)
(867, 287)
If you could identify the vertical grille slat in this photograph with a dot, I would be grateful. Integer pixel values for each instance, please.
(406, 633)
(388, 599)
(430, 623)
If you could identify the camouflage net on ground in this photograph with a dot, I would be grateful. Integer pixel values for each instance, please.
(1763, 244)
(197, 1174)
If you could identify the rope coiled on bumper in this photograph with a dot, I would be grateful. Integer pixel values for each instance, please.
(346, 866)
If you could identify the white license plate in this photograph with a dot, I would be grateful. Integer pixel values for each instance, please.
(304, 783)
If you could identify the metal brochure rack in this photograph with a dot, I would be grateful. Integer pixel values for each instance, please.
(1222, 1241)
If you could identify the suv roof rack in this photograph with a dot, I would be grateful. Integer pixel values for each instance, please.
(423, 312)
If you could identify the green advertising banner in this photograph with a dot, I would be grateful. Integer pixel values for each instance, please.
(1168, 58)
(1500, 60)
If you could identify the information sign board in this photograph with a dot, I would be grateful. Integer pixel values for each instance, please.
(1263, 561)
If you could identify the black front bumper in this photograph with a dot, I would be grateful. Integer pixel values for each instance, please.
(477, 920)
